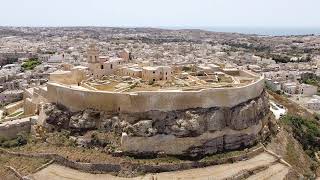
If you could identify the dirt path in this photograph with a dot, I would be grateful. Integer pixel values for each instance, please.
(277, 171)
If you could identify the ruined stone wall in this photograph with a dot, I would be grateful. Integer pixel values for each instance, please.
(29, 107)
(143, 101)
(11, 108)
(11, 129)
(33, 98)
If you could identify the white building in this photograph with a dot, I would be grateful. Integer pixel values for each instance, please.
(57, 58)
(290, 88)
(307, 90)
(273, 85)
(313, 104)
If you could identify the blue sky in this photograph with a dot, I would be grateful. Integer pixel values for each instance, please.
(155, 13)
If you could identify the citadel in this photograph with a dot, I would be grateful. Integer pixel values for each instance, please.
(109, 103)
(190, 109)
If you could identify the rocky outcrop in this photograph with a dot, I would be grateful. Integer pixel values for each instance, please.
(177, 124)
(56, 116)
(194, 122)
(216, 120)
(85, 120)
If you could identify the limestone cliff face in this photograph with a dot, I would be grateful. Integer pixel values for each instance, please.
(195, 131)
(190, 131)
(194, 122)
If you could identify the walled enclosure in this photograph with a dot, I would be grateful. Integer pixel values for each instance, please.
(143, 101)
(174, 121)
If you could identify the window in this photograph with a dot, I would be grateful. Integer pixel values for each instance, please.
(101, 66)
(154, 80)
(166, 73)
(111, 66)
(154, 72)
(95, 58)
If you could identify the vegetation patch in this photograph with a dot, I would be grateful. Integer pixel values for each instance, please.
(21, 139)
(306, 131)
(30, 64)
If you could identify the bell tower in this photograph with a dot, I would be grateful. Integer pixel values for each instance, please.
(92, 54)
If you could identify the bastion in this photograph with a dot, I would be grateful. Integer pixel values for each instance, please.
(175, 121)
(177, 110)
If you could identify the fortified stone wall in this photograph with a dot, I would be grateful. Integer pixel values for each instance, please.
(143, 101)
(196, 131)
(11, 129)
(33, 98)
(176, 122)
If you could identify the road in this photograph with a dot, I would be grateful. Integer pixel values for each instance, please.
(275, 170)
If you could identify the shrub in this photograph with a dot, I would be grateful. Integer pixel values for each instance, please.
(19, 141)
(30, 64)
(306, 131)
(97, 141)
(186, 68)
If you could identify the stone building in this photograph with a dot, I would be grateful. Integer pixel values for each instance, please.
(313, 104)
(102, 65)
(125, 55)
(307, 90)
(130, 71)
(11, 96)
(157, 73)
(74, 76)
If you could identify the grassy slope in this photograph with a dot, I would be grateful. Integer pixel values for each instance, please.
(285, 145)
(23, 165)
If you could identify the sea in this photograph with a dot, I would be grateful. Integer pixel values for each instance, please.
(265, 31)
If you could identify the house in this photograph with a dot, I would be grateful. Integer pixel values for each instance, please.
(273, 85)
(156, 73)
(313, 104)
(290, 88)
(56, 58)
(307, 89)
(130, 71)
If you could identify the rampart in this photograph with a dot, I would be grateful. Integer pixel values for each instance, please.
(142, 101)
(176, 122)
